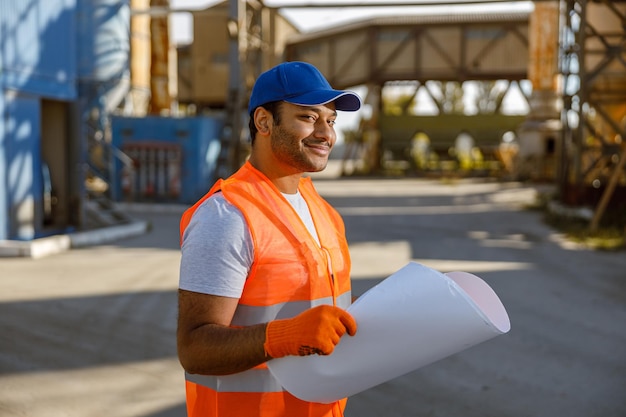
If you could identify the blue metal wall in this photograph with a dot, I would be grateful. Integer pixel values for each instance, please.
(37, 60)
(23, 180)
(198, 141)
(38, 47)
(103, 53)
(103, 44)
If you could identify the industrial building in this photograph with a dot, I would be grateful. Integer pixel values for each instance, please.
(98, 107)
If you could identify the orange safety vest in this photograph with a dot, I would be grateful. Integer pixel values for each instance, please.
(290, 273)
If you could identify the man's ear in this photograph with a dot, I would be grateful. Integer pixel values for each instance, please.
(262, 120)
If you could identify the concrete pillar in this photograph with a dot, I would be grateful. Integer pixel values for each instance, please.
(538, 135)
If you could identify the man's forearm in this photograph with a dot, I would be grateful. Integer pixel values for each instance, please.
(213, 349)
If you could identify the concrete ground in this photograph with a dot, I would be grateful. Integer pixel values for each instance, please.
(90, 332)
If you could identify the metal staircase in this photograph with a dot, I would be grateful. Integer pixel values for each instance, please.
(99, 205)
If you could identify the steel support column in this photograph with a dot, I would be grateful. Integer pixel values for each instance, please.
(593, 67)
(244, 28)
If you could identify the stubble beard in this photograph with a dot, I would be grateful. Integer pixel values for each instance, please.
(289, 149)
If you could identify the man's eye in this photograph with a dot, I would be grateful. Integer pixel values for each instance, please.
(332, 122)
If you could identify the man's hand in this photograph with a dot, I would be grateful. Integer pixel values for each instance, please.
(315, 331)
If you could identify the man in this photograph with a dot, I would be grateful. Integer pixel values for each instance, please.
(265, 268)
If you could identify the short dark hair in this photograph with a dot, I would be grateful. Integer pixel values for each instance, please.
(274, 108)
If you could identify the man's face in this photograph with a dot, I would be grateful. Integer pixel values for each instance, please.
(305, 136)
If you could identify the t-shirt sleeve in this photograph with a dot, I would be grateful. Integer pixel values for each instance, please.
(217, 250)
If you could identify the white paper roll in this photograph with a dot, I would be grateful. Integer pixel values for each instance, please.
(413, 318)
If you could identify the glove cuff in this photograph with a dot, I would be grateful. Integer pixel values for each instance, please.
(278, 338)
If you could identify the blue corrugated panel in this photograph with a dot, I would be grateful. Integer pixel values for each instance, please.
(104, 39)
(37, 47)
(23, 161)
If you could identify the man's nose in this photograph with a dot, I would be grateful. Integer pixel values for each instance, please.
(324, 130)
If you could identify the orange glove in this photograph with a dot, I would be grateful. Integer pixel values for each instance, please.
(317, 330)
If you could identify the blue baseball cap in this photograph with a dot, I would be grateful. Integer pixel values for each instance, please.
(299, 83)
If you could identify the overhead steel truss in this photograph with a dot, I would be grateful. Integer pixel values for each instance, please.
(419, 48)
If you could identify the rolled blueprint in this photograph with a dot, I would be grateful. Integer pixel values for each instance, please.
(413, 318)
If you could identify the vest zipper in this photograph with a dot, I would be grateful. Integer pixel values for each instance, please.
(331, 276)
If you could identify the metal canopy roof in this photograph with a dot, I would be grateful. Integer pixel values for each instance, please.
(476, 46)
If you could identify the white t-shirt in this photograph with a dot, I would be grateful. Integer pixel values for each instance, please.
(217, 249)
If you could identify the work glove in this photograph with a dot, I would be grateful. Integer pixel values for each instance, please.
(314, 331)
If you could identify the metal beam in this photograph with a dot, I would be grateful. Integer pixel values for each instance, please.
(161, 11)
(362, 5)
(594, 74)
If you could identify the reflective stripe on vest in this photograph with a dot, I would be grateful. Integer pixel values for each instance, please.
(249, 315)
(252, 380)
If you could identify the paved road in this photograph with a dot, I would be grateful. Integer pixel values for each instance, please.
(90, 332)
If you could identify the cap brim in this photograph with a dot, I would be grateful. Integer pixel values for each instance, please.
(344, 100)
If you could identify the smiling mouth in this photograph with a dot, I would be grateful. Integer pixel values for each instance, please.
(322, 146)
(322, 151)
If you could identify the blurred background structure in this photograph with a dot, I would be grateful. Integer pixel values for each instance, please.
(100, 106)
